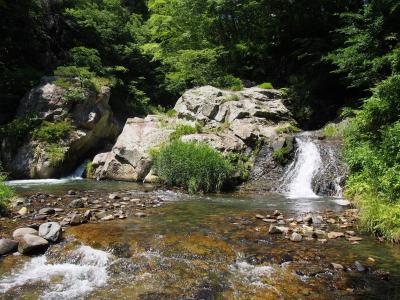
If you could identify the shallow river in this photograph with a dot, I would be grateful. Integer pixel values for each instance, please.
(199, 247)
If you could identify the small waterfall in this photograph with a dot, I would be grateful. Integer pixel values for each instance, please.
(317, 169)
(78, 173)
(298, 178)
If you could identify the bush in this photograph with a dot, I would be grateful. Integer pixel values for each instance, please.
(6, 193)
(52, 132)
(19, 129)
(230, 82)
(181, 130)
(288, 129)
(56, 154)
(372, 147)
(230, 98)
(75, 95)
(266, 85)
(283, 154)
(86, 57)
(193, 166)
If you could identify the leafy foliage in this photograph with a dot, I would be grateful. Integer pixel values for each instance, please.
(266, 85)
(56, 154)
(52, 132)
(181, 130)
(19, 129)
(193, 166)
(6, 193)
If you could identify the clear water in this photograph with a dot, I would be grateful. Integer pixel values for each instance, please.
(196, 247)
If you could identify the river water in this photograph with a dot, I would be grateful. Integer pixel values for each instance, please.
(198, 247)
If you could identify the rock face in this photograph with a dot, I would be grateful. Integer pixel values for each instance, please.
(92, 122)
(232, 122)
(129, 159)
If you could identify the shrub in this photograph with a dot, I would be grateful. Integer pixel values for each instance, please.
(230, 82)
(20, 128)
(171, 113)
(193, 166)
(181, 130)
(86, 57)
(288, 129)
(330, 130)
(56, 154)
(242, 166)
(231, 98)
(52, 132)
(283, 154)
(6, 193)
(266, 85)
(89, 169)
(75, 95)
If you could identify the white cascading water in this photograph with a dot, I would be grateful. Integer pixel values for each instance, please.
(85, 270)
(76, 175)
(298, 177)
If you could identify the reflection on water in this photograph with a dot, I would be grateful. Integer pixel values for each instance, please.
(201, 247)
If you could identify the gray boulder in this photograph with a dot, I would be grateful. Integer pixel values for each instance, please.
(129, 159)
(93, 123)
(7, 246)
(50, 231)
(32, 244)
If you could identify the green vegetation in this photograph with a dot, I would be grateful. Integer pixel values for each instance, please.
(290, 128)
(89, 169)
(6, 193)
(52, 132)
(193, 166)
(19, 129)
(266, 85)
(230, 98)
(75, 95)
(56, 154)
(181, 130)
(282, 155)
(242, 165)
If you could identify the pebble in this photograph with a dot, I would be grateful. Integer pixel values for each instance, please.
(359, 266)
(259, 216)
(269, 220)
(295, 237)
(277, 213)
(107, 218)
(20, 232)
(140, 215)
(273, 229)
(354, 239)
(23, 211)
(77, 203)
(76, 219)
(46, 211)
(337, 266)
(335, 235)
(114, 196)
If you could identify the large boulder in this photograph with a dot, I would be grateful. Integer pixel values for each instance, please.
(91, 119)
(231, 121)
(129, 159)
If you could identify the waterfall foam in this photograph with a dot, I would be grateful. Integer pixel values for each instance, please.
(298, 178)
(85, 270)
(76, 175)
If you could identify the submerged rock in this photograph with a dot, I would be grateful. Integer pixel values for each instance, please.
(296, 237)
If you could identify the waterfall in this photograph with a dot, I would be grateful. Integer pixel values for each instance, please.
(78, 173)
(298, 178)
(317, 169)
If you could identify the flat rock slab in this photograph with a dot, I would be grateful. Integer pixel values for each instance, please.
(335, 235)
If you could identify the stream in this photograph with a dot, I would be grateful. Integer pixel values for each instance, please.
(203, 247)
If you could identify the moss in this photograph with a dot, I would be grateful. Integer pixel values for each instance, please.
(89, 169)
(266, 85)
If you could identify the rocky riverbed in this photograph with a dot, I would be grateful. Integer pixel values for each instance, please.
(172, 245)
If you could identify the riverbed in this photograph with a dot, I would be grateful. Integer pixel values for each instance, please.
(200, 247)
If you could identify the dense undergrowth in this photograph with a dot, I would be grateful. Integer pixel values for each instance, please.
(6, 193)
(191, 165)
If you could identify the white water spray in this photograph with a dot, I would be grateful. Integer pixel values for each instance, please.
(298, 177)
(85, 270)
